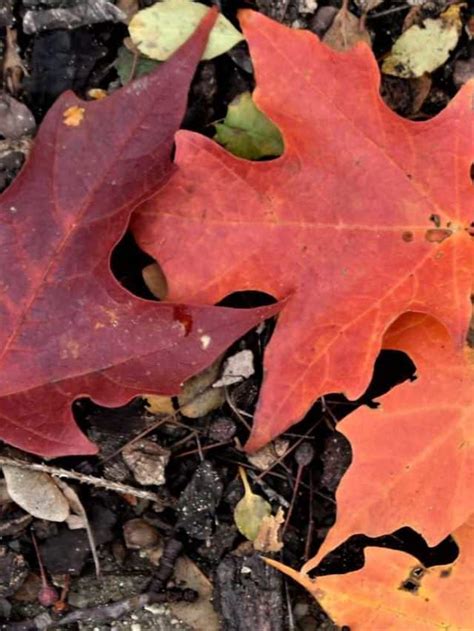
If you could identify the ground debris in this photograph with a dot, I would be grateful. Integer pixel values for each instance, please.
(37, 493)
(6, 13)
(13, 571)
(463, 71)
(336, 457)
(198, 502)
(236, 368)
(84, 13)
(267, 456)
(139, 534)
(248, 594)
(61, 59)
(16, 120)
(68, 551)
(147, 460)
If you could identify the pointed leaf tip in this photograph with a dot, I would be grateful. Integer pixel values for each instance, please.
(245, 16)
(209, 20)
(202, 32)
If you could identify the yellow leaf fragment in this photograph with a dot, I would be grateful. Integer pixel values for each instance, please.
(267, 539)
(267, 456)
(96, 93)
(250, 510)
(72, 116)
(424, 48)
(197, 397)
(155, 280)
(159, 404)
(159, 30)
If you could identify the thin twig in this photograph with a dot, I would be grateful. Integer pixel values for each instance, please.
(205, 448)
(272, 495)
(235, 410)
(133, 69)
(293, 498)
(373, 16)
(171, 551)
(289, 608)
(182, 441)
(288, 451)
(309, 533)
(169, 418)
(80, 477)
(199, 448)
(258, 478)
(331, 414)
(142, 434)
(77, 508)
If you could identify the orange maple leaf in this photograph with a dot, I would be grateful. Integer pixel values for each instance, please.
(377, 597)
(413, 456)
(364, 217)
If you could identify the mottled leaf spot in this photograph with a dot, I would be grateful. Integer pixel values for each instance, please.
(437, 235)
(184, 316)
(410, 585)
(73, 116)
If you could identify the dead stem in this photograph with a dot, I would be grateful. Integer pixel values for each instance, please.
(235, 410)
(80, 477)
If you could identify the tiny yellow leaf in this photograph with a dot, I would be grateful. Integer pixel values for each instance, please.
(197, 397)
(159, 30)
(96, 93)
(159, 404)
(424, 48)
(155, 280)
(250, 510)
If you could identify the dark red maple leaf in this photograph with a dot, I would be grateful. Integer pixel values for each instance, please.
(67, 328)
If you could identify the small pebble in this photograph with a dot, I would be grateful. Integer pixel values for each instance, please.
(304, 454)
(138, 534)
(222, 429)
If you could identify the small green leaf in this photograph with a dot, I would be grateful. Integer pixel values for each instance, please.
(160, 29)
(247, 132)
(424, 48)
(250, 510)
(125, 62)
